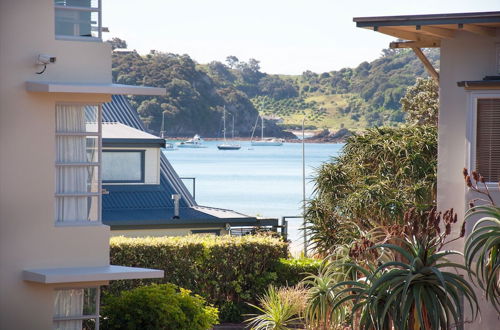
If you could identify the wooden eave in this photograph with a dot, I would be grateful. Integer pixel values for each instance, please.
(424, 31)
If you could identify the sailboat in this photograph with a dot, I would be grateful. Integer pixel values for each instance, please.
(226, 145)
(273, 142)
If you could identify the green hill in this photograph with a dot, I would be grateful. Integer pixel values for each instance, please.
(354, 98)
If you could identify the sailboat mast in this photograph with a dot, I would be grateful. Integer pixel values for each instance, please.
(262, 128)
(232, 134)
(224, 118)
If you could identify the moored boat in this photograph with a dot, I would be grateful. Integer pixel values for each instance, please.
(195, 142)
(270, 142)
(226, 145)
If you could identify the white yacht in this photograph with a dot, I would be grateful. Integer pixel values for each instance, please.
(272, 142)
(227, 145)
(195, 142)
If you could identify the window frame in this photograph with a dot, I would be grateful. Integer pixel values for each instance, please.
(98, 194)
(142, 152)
(82, 317)
(97, 10)
(472, 103)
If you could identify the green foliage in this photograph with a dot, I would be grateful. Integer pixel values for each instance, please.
(196, 93)
(279, 309)
(421, 102)
(414, 290)
(483, 248)
(157, 307)
(222, 269)
(290, 272)
(377, 176)
(319, 312)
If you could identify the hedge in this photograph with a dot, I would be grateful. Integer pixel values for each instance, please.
(227, 271)
(291, 271)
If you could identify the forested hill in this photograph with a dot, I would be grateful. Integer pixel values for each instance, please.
(197, 93)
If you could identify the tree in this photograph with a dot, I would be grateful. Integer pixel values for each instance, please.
(421, 102)
(232, 61)
(375, 179)
(117, 43)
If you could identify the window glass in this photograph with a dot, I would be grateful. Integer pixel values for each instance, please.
(77, 18)
(123, 166)
(76, 308)
(77, 163)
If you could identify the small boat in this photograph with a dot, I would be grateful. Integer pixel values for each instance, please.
(195, 142)
(170, 146)
(271, 142)
(226, 145)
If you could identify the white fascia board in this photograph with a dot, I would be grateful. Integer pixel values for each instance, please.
(89, 274)
(83, 88)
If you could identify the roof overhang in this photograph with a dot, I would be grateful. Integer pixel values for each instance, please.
(133, 143)
(91, 88)
(429, 30)
(479, 84)
(89, 274)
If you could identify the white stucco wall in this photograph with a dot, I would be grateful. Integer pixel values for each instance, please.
(28, 236)
(466, 57)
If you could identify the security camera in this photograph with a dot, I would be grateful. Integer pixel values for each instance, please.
(44, 59)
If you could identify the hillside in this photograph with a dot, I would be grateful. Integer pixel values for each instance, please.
(367, 95)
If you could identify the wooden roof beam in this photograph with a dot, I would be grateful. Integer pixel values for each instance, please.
(478, 29)
(427, 64)
(438, 32)
(405, 35)
(414, 44)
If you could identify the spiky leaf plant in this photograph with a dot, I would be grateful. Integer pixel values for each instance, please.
(482, 246)
(417, 291)
(280, 309)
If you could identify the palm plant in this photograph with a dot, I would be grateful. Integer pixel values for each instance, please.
(483, 244)
(280, 309)
(416, 292)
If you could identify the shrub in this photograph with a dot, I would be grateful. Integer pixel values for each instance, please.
(292, 271)
(158, 307)
(227, 271)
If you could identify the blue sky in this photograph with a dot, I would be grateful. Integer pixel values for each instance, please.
(286, 36)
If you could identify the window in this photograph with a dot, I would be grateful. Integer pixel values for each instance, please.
(487, 146)
(76, 308)
(78, 141)
(124, 166)
(78, 19)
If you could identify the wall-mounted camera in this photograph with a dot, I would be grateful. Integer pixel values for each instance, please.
(44, 59)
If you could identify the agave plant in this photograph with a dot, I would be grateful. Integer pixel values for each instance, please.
(280, 309)
(483, 244)
(416, 292)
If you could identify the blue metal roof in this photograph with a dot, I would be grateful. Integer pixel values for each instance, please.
(132, 205)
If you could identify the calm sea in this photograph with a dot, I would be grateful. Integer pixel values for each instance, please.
(264, 181)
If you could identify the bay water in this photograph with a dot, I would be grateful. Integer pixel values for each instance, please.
(264, 181)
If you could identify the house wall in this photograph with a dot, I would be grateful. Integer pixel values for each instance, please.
(28, 236)
(151, 165)
(466, 57)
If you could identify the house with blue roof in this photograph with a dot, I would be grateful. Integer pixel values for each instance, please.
(143, 195)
